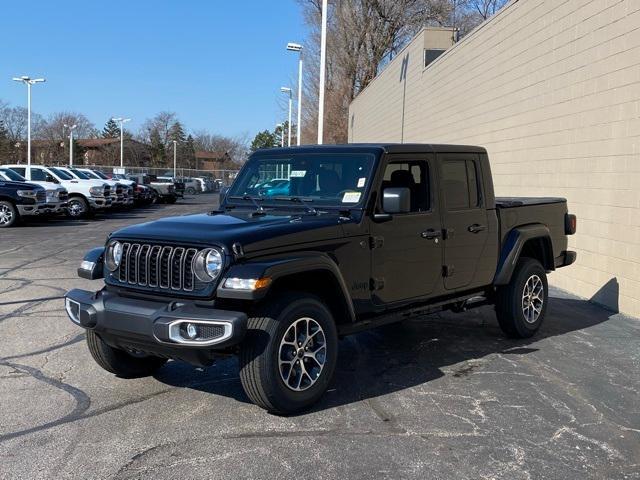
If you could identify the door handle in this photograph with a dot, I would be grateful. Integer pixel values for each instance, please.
(431, 234)
(475, 228)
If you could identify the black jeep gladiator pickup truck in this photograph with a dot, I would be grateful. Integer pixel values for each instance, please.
(349, 238)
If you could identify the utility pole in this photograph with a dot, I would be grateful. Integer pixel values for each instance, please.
(122, 122)
(71, 129)
(29, 82)
(323, 72)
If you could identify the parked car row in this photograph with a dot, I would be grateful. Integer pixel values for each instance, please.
(78, 192)
(195, 185)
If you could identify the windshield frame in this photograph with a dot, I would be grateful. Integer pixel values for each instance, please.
(293, 201)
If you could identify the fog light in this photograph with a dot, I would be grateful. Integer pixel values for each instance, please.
(73, 310)
(191, 331)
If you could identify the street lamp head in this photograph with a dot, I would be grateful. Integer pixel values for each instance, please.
(38, 80)
(294, 47)
(285, 90)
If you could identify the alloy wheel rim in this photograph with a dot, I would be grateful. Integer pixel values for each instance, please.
(6, 215)
(75, 208)
(532, 299)
(302, 354)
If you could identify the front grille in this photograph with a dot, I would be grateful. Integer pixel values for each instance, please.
(154, 266)
(107, 190)
(119, 190)
(41, 196)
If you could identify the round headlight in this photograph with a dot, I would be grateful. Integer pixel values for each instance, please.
(207, 264)
(113, 255)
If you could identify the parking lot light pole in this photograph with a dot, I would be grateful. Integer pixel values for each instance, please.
(122, 122)
(71, 129)
(287, 90)
(175, 156)
(28, 82)
(323, 71)
(296, 47)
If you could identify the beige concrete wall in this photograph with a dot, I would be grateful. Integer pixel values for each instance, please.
(552, 89)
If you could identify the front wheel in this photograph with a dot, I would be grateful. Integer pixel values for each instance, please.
(119, 362)
(8, 214)
(77, 207)
(289, 354)
(190, 191)
(522, 304)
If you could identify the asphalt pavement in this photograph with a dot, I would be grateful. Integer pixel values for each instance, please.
(445, 396)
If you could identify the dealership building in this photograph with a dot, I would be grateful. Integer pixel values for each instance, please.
(551, 88)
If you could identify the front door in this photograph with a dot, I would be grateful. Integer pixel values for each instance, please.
(464, 221)
(407, 250)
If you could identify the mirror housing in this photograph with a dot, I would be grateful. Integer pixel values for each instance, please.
(396, 200)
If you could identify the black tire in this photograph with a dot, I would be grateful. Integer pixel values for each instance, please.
(120, 362)
(260, 372)
(9, 216)
(172, 200)
(190, 191)
(77, 207)
(517, 314)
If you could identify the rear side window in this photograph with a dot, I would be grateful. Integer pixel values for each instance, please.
(20, 170)
(460, 184)
(38, 175)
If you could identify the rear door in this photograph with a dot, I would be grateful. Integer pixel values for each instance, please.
(407, 250)
(464, 219)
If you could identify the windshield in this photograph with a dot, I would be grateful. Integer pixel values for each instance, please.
(11, 175)
(90, 174)
(62, 174)
(101, 175)
(326, 179)
(79, 174)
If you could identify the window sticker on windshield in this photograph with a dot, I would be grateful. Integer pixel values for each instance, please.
(351, 197)
(298, 173)
(361, 182)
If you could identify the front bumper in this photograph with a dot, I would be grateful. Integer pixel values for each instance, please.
(35, 209)
(100, 202)
(152, 327)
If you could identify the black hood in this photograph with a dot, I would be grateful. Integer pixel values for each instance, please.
(253, 232)
(20, 185)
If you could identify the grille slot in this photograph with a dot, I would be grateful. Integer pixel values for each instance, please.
(41, 196)
(155, 266)
(209, 332)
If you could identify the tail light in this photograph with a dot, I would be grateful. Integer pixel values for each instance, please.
(570, 224)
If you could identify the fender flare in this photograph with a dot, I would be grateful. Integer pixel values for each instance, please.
(512, 248)
(280, 267)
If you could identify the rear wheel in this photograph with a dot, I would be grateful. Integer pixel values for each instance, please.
(8, 214)
(521, 306)
(77, 207)
(190, 191)
(289, 355)
(119, 362)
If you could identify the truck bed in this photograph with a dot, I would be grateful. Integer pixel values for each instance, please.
(510, 202)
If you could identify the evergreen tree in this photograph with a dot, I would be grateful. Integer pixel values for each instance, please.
(265, 139)
(111, 129)
(189, 152)
(176, 132)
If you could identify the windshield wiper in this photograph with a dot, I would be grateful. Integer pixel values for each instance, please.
(259, 208)
(304, 202)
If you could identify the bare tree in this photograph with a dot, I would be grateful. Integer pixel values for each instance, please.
(54, 130)
(161, 125)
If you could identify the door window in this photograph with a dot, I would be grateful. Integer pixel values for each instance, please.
(460, 184)
(20, 170)
(411, 175)
(38, 175)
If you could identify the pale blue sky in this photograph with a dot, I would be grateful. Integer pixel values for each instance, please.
(219, 65)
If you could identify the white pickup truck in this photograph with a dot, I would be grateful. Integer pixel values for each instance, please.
(57, 196)
(85, 196)
(126, 185)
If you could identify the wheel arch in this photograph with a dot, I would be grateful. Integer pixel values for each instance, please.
(533, 241)
(314, 273)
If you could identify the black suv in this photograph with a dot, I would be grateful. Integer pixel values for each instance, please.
(313, 243)
(19, 199)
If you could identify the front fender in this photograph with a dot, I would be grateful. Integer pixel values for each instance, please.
(512, 248)
(92, 266)
(280, 267)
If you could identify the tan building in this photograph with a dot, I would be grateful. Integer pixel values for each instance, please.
(552, 90)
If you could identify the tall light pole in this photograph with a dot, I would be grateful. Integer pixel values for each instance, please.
(323, 72)
(175, 157)
(28, 82)
(122, 122)
(71, 129)
(287, 90)
(296, 47)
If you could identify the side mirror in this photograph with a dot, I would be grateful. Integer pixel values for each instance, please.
(396, 200)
